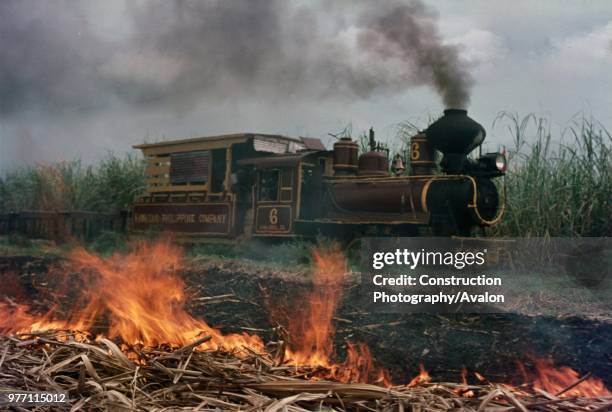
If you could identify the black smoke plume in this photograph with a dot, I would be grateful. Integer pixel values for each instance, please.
(181, 52)
(409, 32)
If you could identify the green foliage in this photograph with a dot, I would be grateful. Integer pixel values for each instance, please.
(281, 252)
(109, 186)
(109, 242)
(557, 188)
(214, 249)
(119, 181)
(19, 240)
(275, 252)
(297, 250)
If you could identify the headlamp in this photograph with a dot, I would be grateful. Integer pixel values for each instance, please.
(501, 163)
(493, 163)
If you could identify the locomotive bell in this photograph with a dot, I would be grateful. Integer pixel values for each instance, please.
(455, 135)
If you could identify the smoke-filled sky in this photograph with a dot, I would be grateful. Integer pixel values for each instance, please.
(81, 78)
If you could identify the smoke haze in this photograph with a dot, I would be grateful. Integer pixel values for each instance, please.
(57, 62)
(80, 77)
(187, 50)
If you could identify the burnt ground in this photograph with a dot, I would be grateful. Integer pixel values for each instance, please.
(488, 343)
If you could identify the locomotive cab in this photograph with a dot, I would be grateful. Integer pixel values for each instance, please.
(287, 189)
(222, 186)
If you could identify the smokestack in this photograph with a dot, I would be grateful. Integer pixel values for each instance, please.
(455, 135)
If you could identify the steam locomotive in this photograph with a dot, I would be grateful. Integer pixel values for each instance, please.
(260, 185)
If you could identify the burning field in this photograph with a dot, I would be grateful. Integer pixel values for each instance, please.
(128, 332)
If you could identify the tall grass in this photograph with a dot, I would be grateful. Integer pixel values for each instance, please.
(557, 187)
(109, 186)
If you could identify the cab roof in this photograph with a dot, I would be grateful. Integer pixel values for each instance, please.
(262, 142)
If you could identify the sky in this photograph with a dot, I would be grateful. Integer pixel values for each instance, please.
(79, 79)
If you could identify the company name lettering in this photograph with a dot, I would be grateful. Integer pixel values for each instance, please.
(170, 218)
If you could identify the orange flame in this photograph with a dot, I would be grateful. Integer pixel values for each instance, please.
(464, 373)
(142, 300)
(556, 379)
(464, 389)
(421, 378)
(313, 329)
(359, 367)
(141, 297)
(17, 318)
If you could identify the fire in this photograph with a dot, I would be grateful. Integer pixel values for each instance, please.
(464, 373)
(140, 299)
(463, 389)
(16, 318)
(555, 380)
(139, 295)
(421, 378)
(313, 329)
(359, 367)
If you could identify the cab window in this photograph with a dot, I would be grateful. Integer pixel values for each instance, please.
(268, 185)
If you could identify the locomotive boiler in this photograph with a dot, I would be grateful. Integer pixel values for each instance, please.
(260, 185)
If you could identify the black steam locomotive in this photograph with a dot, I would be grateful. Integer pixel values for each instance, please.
(260, 185)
